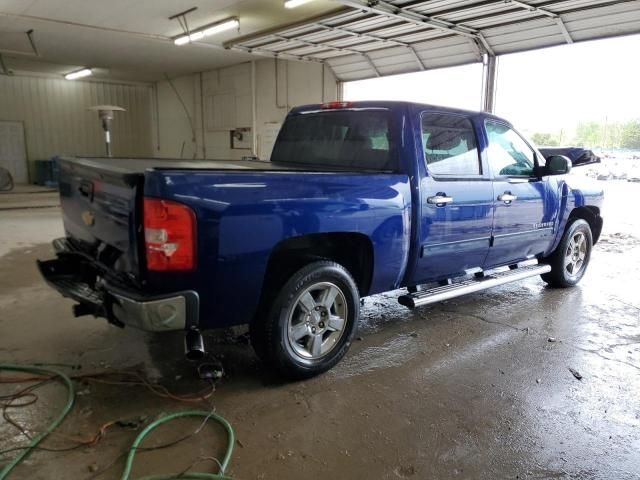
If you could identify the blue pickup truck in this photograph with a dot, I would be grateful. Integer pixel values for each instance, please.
(358, 198)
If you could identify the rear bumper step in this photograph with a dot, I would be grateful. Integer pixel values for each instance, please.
(77, 279)
(453, 290)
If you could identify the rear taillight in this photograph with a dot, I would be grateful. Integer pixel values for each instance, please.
(169, 235)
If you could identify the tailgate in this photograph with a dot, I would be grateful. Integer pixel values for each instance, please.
(100, 211)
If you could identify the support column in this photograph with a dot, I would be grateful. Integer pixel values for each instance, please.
(489, 82)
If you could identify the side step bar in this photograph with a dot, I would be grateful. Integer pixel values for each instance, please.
(453, 290)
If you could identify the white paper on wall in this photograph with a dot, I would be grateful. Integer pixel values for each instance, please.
(267, 138)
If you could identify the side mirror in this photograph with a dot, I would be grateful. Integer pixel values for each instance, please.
(558, 165)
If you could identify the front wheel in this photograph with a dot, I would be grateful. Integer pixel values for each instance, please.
(311, 322)
(570, 259)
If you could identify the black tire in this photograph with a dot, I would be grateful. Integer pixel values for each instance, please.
(271, 337)
(560, 275)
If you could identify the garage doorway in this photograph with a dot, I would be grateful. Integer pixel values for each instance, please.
(13, 152)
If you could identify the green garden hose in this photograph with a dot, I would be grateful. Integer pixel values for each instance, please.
(52, 373)
(187, 475)
(4, 473)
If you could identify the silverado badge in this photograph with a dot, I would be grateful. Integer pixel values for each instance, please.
(88, 218)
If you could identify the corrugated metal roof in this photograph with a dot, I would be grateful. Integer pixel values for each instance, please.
(375, 38)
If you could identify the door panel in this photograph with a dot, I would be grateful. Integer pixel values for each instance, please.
(522, 228)
(523, 208)
(454, 237)
(456, 199)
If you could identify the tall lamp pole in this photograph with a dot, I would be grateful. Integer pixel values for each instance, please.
(105, 114)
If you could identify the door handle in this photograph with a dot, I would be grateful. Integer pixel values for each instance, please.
(440, 199)
(507, 198)
(86, 189)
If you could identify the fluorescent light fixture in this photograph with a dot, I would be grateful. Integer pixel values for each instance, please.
(207, 31)
(222, 27)
(295, 3)
(85, 72)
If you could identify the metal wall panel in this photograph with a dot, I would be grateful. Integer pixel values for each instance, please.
(57, 122)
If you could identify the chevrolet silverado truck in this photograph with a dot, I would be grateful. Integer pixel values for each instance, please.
(357, 199)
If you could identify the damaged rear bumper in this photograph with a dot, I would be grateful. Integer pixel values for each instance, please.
(86, 282)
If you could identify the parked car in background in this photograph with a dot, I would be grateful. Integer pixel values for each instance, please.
(359, 198)
(604, 175)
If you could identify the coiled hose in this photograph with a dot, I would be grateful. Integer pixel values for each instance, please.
(126, 474)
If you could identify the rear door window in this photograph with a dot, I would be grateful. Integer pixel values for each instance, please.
(449, 143)
(359, 140)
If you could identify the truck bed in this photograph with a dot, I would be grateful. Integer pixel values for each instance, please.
(124, 165)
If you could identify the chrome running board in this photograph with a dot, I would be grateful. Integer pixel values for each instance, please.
(438, 294)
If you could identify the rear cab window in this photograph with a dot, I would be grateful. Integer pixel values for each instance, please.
(450, 147)
(350, 139)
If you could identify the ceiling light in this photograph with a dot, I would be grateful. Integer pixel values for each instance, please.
(295, 3)
(221, 27)
(207, 31)
(85, 72)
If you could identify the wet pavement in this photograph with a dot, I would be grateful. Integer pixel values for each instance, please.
(475, 387)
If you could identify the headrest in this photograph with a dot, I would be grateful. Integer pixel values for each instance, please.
(443, 140)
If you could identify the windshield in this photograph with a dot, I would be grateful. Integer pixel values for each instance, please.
(359, 140)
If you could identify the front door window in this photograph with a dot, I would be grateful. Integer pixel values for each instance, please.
(508, 154)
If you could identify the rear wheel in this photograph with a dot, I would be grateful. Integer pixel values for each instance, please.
(311, 322)
(570, 259)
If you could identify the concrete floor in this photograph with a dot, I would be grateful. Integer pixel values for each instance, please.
(469, 388)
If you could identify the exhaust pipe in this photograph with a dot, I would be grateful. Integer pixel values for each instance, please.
(193, 345)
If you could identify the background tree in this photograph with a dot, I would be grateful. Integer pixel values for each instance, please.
(589, 134)
(546, 139)
(630, 135)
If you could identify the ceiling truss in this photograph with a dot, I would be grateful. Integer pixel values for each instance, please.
(382, 37)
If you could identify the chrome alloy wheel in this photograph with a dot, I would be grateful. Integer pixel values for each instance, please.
(574, 258)
(317, 320)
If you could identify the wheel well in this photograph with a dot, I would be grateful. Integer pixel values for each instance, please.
(353, 251)
(592, 216)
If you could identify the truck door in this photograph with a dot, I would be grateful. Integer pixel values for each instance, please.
(523, 205)
(456, 199)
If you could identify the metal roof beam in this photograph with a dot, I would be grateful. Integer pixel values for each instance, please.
(520, 22)
(367, 34)
(317, 44)
(546, 13)
(470, 7)
(339, 49)
(373, 65)
(417, 58)
(485, 44)
(378, 38)
(563, 29)
(285, 28)
(270, 54)
(391, 11)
